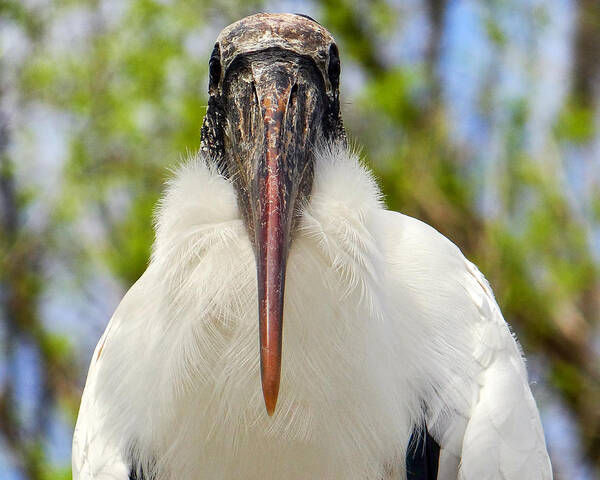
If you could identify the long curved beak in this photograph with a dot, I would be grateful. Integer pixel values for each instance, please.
(274, 192)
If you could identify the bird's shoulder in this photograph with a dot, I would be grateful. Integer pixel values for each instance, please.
(484, 416)
(445, 286)
(96, 454)
(423, 262)
(447, 296)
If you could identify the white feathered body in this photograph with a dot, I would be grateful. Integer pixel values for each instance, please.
(386, 325)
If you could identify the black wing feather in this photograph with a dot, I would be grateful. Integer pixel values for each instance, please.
(422, 456)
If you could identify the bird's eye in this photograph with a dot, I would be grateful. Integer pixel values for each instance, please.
(214, 68)
(333, 70)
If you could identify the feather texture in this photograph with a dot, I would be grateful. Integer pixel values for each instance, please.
(387, 326)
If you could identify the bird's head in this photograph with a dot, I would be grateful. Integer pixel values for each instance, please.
(273, 97)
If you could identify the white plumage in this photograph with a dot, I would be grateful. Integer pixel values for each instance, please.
(387, 325)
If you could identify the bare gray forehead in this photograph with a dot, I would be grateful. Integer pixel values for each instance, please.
(296, 33)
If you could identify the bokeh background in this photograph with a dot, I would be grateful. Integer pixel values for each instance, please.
(480, 117)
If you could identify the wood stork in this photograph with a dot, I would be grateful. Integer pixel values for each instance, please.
(396, 361)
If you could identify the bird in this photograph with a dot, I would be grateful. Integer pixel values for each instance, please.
(396, 361)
